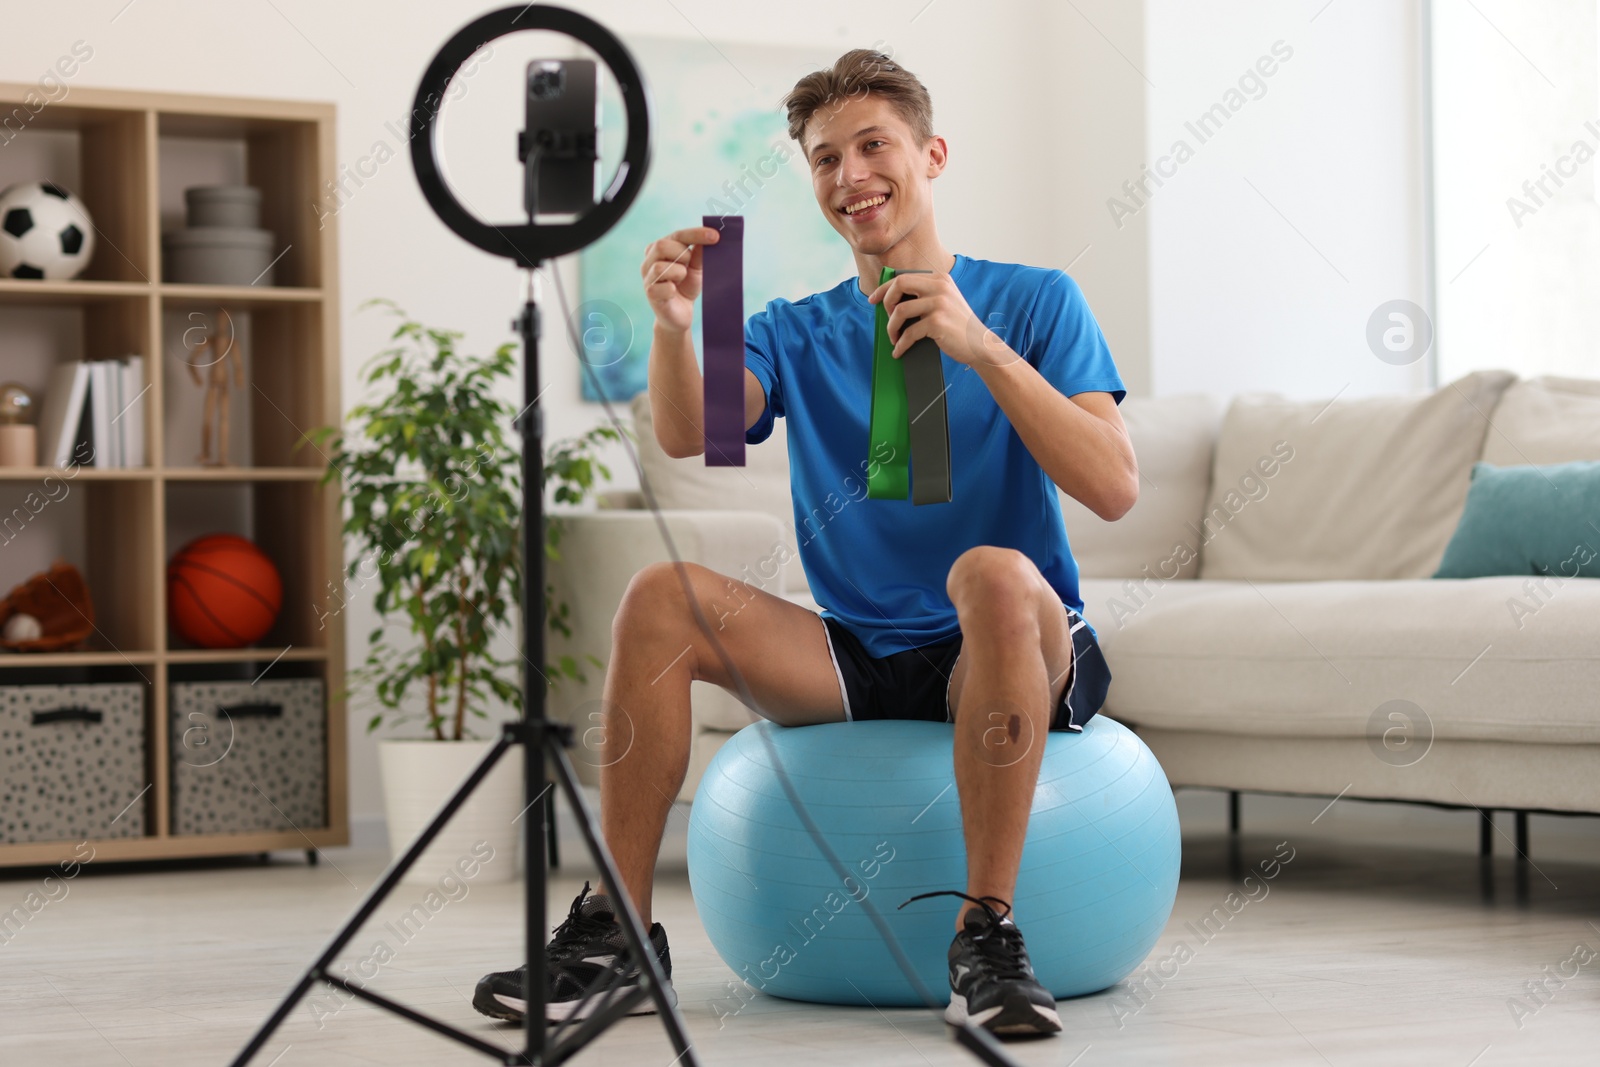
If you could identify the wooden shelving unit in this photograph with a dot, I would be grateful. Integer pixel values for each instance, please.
(129, 147)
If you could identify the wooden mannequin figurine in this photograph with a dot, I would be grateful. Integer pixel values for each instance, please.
(216, 360)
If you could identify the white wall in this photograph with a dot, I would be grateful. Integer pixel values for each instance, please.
(1037, 108)
(1272, 246)
(1092, 114)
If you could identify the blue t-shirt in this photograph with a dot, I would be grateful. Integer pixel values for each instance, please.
(879, 566)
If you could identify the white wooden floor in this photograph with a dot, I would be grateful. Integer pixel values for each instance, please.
(1364, 953)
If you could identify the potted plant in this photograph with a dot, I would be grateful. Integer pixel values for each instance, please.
(433, 498)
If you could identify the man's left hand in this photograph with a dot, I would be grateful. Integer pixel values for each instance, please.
(943, 315)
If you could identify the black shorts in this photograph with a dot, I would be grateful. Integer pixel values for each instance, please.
(915, 684)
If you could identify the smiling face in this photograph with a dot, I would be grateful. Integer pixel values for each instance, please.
(871, 179)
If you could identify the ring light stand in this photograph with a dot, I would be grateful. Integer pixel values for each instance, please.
(529, 244)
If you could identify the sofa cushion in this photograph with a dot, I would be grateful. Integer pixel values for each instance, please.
(762, 484)
(1369, 487)
(1545, 420)
(1485, 659)
(1528, 520)
(1172, 438)
(1111, 605)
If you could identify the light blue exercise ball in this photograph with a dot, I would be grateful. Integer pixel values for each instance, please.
(1098, 878)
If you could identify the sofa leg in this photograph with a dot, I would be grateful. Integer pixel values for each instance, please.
(1485, 833)
(1522, 837)
(1233, 811)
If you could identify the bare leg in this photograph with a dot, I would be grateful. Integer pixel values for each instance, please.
(658, 649)
(1016, 656)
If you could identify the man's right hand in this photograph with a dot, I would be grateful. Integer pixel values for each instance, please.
(673, 275)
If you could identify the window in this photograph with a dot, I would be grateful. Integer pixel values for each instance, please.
(1516, 153)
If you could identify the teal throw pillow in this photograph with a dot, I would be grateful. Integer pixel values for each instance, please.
(1528, 520)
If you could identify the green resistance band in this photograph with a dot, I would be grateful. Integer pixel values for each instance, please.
(910, 424)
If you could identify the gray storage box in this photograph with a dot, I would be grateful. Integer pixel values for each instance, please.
(223, 205)
(248, 757)
(71, 762)
(219, 255)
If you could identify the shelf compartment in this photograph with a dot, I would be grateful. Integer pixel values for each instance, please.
(290, 523)
(285, 387)
(276, 156)
(102, 155)
(39, 336)
(123, 570)
(104, 528)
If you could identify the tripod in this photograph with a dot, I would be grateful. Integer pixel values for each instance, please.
(544, 743)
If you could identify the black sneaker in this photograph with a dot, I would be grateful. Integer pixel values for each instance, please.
(991, 981)
(588, 943)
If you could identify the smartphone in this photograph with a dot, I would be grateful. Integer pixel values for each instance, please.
(559, 148)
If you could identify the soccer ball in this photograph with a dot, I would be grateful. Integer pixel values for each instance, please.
(45, 232)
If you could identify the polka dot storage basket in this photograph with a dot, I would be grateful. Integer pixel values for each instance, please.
(72, 763)
(248, 756)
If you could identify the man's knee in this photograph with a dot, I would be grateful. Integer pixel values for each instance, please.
(655, 601)
(999, 583)
(654, 597)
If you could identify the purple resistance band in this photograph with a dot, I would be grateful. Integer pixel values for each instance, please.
(722, 332)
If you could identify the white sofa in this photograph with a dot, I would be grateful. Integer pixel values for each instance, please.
(1266, 608)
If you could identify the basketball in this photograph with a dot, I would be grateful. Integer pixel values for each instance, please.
(222, 592)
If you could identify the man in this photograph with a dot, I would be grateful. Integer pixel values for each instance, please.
(966, 612)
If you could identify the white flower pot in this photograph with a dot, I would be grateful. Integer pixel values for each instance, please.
(418, 776)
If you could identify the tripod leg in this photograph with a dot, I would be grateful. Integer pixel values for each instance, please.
(369, 904)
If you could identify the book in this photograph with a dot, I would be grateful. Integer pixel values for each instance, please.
(93, 414)
(100, 415)
(114, 424)
(133, 416)
(62, 412)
